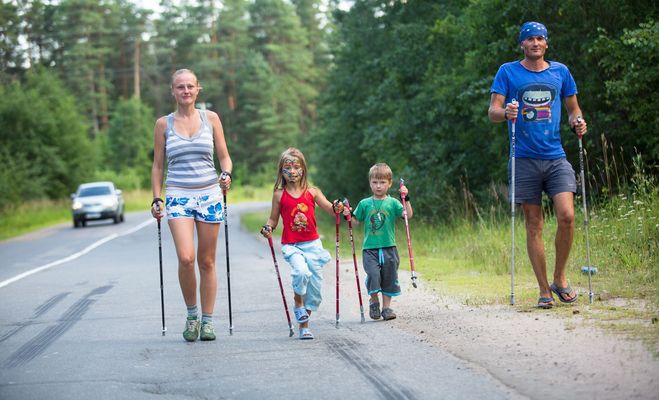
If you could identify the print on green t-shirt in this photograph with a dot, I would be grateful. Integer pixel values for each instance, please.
(379, 219)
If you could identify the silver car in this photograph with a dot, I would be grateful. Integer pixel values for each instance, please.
(95, 201)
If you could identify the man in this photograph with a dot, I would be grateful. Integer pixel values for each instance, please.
(529, 92)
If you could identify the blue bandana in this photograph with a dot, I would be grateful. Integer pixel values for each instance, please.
(532, 29)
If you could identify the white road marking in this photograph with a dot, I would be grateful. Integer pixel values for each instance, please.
(75, 255)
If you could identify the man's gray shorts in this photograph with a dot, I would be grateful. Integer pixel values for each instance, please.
(533, 176)
(381, 266)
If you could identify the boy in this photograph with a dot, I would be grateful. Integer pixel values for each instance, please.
(380, 257)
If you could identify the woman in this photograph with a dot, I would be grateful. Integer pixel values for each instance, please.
(186, 138)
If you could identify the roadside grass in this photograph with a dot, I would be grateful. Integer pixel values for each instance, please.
(38, 214)
(470, 261)
(33, 215)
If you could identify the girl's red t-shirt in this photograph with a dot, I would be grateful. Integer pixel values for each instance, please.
(298, 216)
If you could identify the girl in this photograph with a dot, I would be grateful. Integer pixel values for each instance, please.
(294, 200)
(186, 139)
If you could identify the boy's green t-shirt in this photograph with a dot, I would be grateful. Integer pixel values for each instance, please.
(379, 219)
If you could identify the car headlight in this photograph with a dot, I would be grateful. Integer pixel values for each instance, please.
(76, 205)
(109, 203)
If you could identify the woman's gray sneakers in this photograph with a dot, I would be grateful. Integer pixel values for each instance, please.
(191, 332)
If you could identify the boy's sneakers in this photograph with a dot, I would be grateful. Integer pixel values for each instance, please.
(191, 332)
(388, 313)
(207, 331)
(374, 310)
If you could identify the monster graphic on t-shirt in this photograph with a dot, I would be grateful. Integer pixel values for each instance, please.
(537, 100)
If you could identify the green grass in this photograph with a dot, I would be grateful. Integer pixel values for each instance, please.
(33, 215)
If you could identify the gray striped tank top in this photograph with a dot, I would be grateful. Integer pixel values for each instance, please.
(190, 162)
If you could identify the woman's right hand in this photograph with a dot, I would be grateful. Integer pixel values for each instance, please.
(156, 209)
(266, 231)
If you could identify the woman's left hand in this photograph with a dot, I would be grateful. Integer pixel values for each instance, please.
(225, 180)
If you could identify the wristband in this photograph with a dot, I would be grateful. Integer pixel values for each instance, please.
(155, 200)
(225, 173)
(267, 228)
(406, 198)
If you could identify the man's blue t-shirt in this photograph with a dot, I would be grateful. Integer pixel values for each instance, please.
(539, 94)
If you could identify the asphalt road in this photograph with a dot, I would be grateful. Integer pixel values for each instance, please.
(80, 318)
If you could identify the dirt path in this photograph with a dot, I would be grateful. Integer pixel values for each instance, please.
(540, 355)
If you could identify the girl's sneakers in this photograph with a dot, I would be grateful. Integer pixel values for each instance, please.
(305, 334)
(301, 315)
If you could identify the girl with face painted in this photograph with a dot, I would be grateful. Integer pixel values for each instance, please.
(295, 201)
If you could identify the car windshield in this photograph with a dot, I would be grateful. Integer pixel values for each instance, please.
(94, 191)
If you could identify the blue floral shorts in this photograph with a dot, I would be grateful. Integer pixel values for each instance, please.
(204, 207)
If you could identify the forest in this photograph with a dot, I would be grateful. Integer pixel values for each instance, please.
(349, 83)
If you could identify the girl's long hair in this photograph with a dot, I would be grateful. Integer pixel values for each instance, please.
(291, 152)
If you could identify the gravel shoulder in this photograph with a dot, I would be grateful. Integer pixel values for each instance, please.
(536, 352)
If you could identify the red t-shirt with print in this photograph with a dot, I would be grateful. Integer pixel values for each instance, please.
(298, 216)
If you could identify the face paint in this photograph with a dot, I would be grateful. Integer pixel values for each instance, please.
(292, 170)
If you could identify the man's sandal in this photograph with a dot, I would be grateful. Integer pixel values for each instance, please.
(564, 291)
(545, 302)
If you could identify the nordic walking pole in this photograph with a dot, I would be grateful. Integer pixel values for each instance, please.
(585, 214)
(354, 260)
(338, 221)
(281, 287)
(226, 242)
(162, 292)
(512, 209)
(409, 239)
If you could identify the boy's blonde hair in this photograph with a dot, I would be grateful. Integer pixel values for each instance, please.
(291, 152)
(380, 171)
